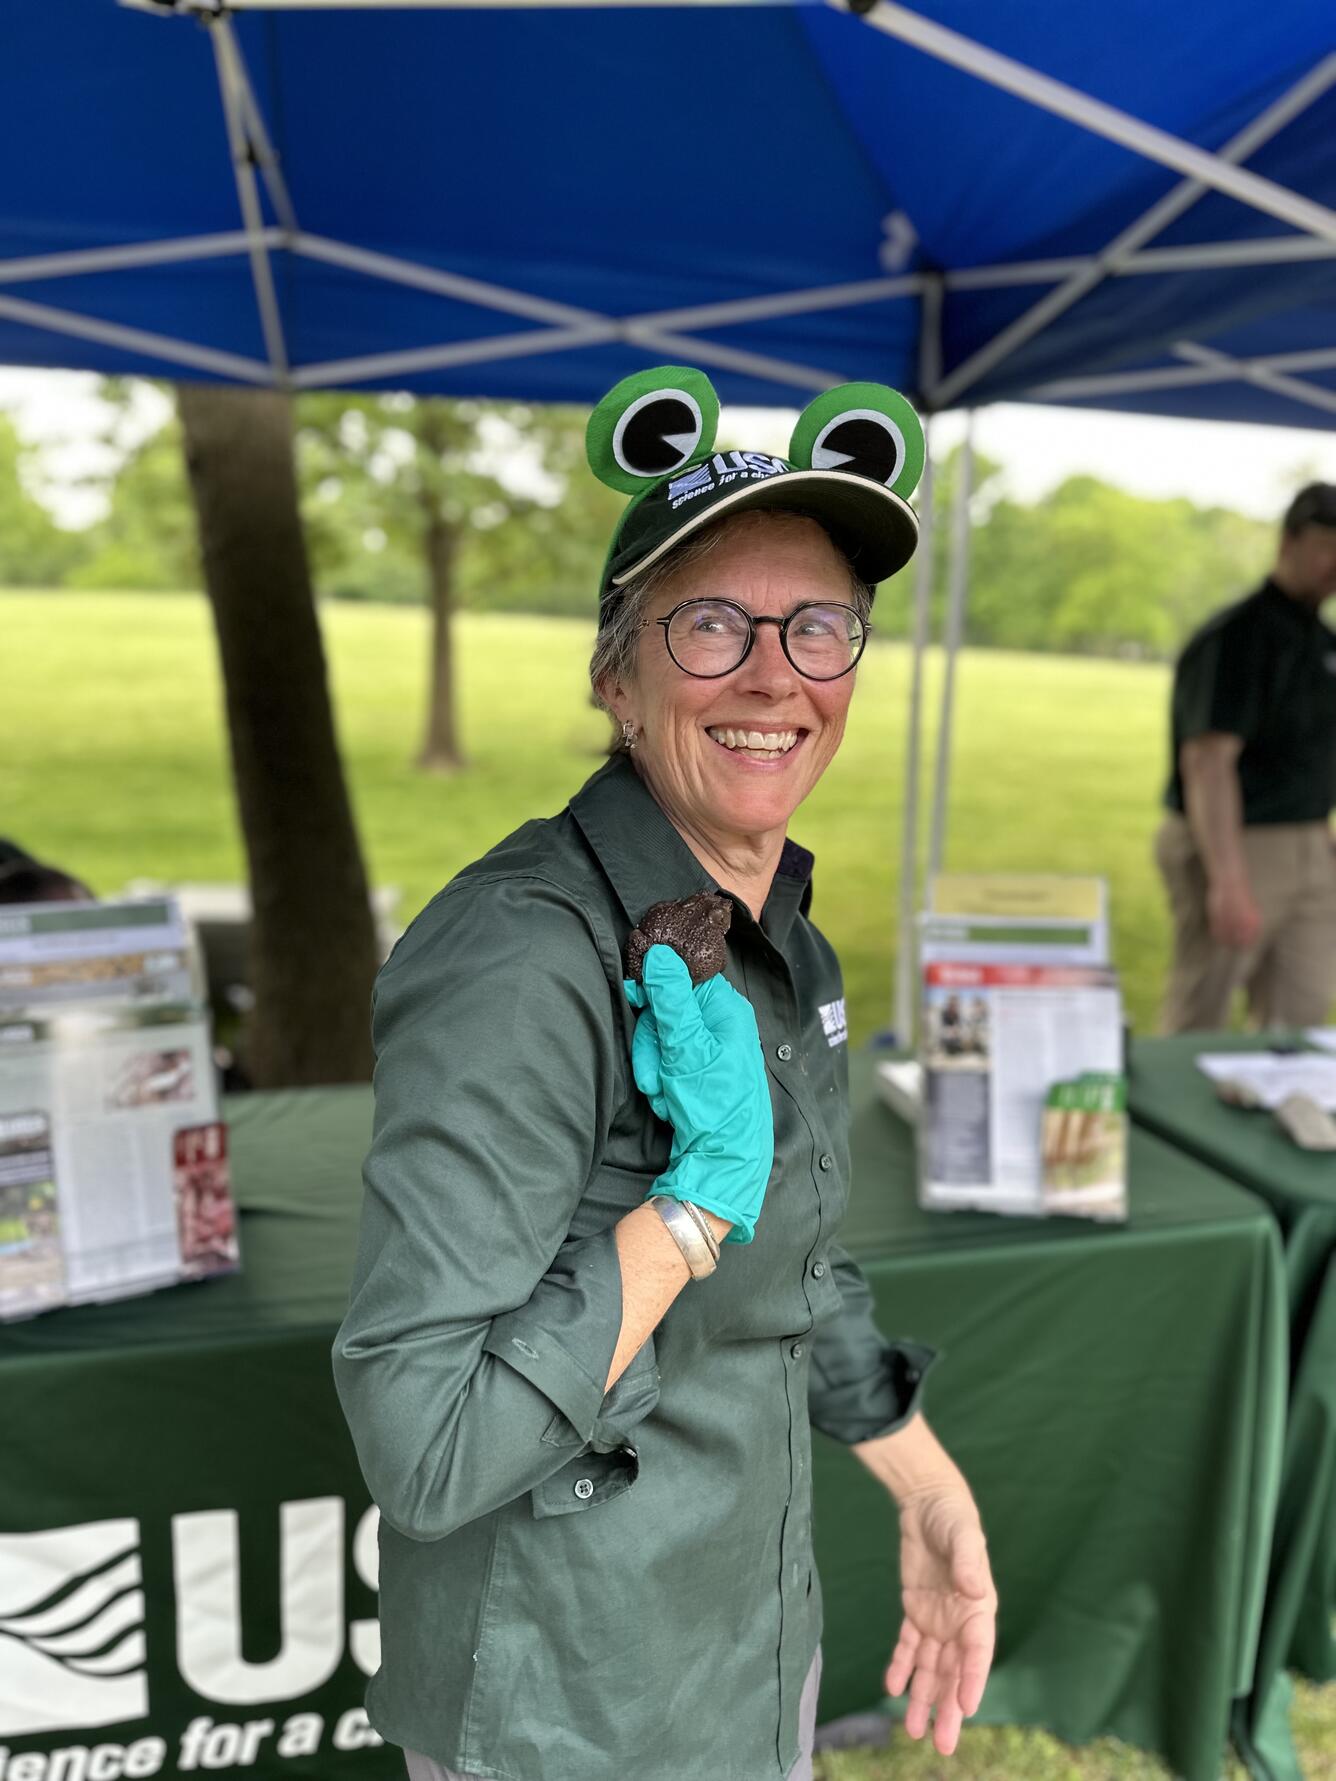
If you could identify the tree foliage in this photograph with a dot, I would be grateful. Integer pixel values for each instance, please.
(1088, 568)
(148, 539)
(34, 551)
(509, 481)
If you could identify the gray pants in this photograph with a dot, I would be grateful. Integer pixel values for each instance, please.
(422, 1768)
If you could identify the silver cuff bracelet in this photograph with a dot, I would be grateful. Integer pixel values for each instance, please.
(702, 1224)
(686, 1233)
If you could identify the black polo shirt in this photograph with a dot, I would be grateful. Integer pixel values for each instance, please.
(1263, 670)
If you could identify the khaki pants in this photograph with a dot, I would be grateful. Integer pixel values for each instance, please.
(422, 1768)
(1289, 976)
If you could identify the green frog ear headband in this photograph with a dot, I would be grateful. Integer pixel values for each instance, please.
(855, 458)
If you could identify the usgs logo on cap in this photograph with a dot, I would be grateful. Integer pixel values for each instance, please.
(73, 1651)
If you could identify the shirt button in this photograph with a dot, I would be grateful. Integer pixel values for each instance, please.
(827, 1160)
(797, 1351)
(784, 1052)
(818, 1270)
(584, 1489)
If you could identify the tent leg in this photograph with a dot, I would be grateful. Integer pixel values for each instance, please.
(902, 1014)
(957, 597)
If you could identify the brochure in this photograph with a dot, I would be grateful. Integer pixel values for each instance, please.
(53, 954)
(1266, 1078)
(113, 1163)
(1084, 1146)
(1005, 919)
(996, 1039)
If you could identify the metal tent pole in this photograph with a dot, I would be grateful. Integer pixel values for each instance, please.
(1034, 320)
(902, 1016)
(957, 597)
(1042, 91)
(904, 997)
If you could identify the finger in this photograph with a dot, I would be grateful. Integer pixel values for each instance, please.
(929, 1661)
(672, 1000)
(646, 1057)
(901, 1666)
(946, 1730)
(635, 992)
(726, 1010)
(976, 1660)
(970, 1573)
(923, 1690)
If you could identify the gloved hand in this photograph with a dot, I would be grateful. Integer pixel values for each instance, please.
(696, 1055)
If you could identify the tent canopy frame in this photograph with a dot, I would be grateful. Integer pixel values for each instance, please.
(676, 333)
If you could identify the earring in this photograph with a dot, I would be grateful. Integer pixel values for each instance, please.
(628, 735)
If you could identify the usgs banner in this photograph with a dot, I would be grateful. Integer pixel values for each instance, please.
(187, 1550)
(205, 1641)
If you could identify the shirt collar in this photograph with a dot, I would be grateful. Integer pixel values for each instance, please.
(647, 861)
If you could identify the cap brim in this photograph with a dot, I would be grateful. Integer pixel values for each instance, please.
(875, 528)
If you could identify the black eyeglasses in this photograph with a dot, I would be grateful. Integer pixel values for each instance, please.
(710, 638)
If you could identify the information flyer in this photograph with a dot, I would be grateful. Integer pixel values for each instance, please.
(113, 1162)
(54, 954)
(997, 1038)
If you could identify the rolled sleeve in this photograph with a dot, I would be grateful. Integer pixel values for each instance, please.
(557, 1341)
(480, 1331)
(862, 1385)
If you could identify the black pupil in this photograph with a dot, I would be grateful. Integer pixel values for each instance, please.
(644, 445)
(871, 446)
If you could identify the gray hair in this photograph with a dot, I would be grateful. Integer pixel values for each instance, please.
(615, 646)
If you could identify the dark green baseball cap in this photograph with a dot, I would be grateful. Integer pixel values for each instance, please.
(856, 455)
(874, 528)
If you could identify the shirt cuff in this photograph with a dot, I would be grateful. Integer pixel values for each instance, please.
(862, 1405)
(563, 1339)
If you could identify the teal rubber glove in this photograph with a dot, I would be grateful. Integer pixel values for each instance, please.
(696, 1056)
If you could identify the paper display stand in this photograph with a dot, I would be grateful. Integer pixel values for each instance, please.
(1022, 1099)
(113, 1161)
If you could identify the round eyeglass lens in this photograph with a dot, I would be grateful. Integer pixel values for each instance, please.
(824, 641)
(708, 637)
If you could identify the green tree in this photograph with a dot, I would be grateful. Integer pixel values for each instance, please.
(1089, 569)
(490, 501)
(148, 539)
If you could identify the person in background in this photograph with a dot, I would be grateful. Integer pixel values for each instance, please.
(26, 880)
(1245, 849)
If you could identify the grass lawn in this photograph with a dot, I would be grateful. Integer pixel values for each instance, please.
(113, 764)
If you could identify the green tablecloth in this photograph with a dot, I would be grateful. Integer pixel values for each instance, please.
(1170, 1096)
(1115, 1396)
(187, 1421)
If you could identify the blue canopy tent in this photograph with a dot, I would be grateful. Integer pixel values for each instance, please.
(1129, 207)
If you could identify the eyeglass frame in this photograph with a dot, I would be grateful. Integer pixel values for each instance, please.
(753, 620)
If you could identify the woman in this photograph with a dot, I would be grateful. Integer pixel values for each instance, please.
(598, 1299)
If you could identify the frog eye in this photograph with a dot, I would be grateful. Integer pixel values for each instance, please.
(650, 424)
(864, 429)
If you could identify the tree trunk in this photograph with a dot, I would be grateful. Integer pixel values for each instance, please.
(441, 752)
(313, 947)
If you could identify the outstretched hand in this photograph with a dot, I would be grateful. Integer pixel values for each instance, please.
(945, 1649)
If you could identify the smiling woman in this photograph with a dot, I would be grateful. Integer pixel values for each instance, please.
(729, 752)
(600, 1302)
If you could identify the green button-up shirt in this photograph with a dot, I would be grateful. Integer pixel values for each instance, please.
(573, 1586)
